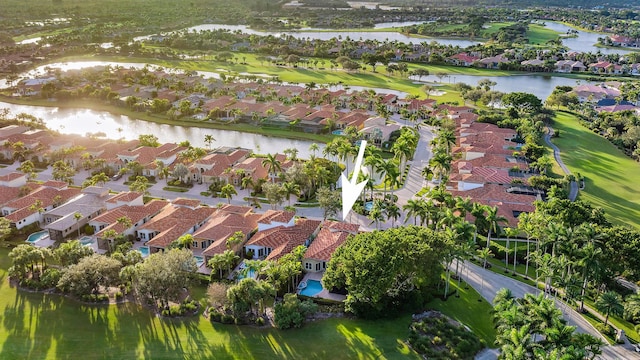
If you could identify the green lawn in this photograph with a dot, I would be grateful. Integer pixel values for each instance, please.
(53, 327)
(467, 310)
(41, 326)
(611, 177)
(539, 34)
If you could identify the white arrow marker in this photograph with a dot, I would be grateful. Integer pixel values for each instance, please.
(351, 190)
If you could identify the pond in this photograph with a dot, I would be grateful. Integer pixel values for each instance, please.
(330, 34)
(585, 41)
(83, 121)
(538, 84)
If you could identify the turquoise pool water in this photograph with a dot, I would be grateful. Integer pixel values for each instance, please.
(337, 132)
(37, 236)
(199, 260)
(86, 240)
(144, 250)
(313, 288)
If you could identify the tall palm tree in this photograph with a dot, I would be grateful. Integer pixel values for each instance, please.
(510, 232)
(609, 303)
(484, 254)
(273, 166)
(494, 220)
(392, 211)
(414, 208)
(314, 149)
(384, 168)
(589, 261)
(289, 189)
(208, 139)
(77, 216)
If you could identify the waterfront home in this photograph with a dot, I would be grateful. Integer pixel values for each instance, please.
(331, 235)
(570, 66)
(213, 166)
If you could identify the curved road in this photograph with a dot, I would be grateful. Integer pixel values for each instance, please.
(487, 283)
(573, 187)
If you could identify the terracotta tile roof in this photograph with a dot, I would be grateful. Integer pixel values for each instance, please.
(8, 194)
(332, 235)
(222, 226)
(11, 176)
(192, 203)
(125, 197)
(284, 239)
(46, 195)
(173, 222)
(280, 216)
(134, 213)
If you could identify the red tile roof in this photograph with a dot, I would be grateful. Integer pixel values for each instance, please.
(331, 236)
(284, 239)
(280, 216)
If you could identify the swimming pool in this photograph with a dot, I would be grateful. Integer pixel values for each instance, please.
(313, 288)
(144, 250)
(86, 240)
(199, 260)
(37, 236)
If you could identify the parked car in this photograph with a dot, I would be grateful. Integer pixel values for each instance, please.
(116, 177)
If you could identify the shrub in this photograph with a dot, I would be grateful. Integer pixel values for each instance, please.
(288, 313)
(215, 316)
(118, 295)
(607, 330)
(260, 321)
(50, 277)
(227, 319)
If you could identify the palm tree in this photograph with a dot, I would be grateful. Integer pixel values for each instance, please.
(414, 207)
(609, 303)
(77, 216)
(589, 261)
(392, 211)
(228, 191)
(427, 173)
(376, 214)
(384, 168)
(229, 257)
(208, 139)
(314, 149)
(184, 242)
(273, 166)
(493, 219)
(289, 189)
(510, 232)
(484, 255)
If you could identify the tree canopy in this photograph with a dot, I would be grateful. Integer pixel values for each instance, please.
(383, 271)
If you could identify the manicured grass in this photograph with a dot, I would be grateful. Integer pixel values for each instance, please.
(467, 310)
(611, 177)
(539, 34)
(41, 326)
(617, 322)
(593, 320)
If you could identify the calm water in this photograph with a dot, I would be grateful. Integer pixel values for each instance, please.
(83, 121)
(585, 42)
(539, 85)
(327, 35)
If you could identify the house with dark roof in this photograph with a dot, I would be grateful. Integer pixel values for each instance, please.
(329, 238)
(62, 222)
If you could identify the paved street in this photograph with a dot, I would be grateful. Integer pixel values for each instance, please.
(487, 283)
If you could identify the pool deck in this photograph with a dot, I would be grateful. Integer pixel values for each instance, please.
(324, 294)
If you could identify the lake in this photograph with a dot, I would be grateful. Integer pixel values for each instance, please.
(330, 34)
(82, 121)
(585, 42)
(538, 84)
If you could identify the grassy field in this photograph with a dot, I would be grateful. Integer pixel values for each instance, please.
(539, 34)
(611, 177)
(37, 326)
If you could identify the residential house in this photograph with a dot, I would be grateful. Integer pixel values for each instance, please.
(273, 243)
(329, 238)
(211, 238)
(275, 218)
(14, 179)
(138, 214)
(62, 222)
(377, 131)
(462, 59)
(570, 66)
(171, 223)
(28, 209)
